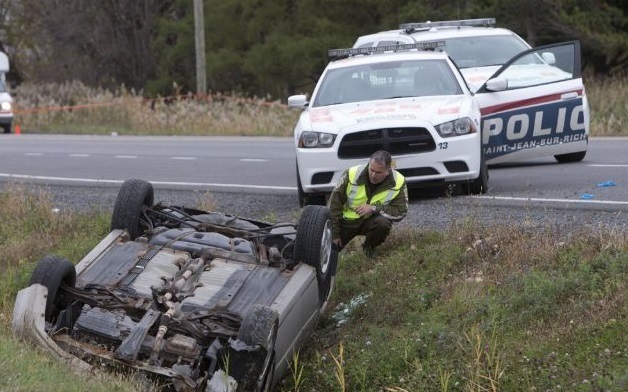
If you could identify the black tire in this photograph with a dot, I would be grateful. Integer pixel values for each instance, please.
(259, 327)
(314, 247)
(570, 158)
(52, 272)
(6, 128)
(479, 185)
(306, 199)
(134, 196)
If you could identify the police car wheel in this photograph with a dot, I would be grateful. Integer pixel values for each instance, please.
(479, 185)
(569, 158)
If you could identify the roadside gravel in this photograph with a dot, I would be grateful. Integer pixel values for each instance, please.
(427, 211)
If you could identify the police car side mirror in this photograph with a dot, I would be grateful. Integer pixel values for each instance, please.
(297, 101)
(497, 84)
(549, 58)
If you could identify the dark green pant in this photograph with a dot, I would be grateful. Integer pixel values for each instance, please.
(376, 228)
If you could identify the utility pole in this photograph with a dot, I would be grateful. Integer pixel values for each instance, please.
(199, 30)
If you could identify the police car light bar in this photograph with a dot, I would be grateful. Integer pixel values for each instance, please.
(448, 23)
(430, 45)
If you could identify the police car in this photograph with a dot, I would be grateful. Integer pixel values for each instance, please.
(535, 105)
(531, 105)
(412, 102)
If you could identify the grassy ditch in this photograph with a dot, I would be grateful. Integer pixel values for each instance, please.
(73, 108)
(471, 308)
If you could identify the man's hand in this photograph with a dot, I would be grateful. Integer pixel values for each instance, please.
(365, 209)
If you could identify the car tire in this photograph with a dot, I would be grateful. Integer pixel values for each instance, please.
(134, 196)
(572, 157)
(259, 327)
(314, 247)
(479, 185)
(306, 199)
(53, 272)
(6, 128)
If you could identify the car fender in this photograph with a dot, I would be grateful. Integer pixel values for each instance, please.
(29, 325)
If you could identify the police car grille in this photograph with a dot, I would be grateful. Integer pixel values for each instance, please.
(397, 141)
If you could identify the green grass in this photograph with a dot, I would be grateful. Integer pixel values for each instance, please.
(73, 108)
(470, 308)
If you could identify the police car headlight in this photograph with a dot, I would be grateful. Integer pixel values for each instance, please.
(461, 126)
(446, 129)
(316, 140)
(5, 105)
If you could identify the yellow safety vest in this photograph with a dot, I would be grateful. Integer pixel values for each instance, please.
(356, 193)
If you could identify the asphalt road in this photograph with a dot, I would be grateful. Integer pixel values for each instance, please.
(249, 165)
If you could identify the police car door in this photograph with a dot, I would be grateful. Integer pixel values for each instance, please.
(535, 105)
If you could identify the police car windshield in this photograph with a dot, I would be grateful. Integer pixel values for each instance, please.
(483, 51)
(386, 80)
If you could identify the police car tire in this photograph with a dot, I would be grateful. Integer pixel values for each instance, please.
(480, 184)
(133, 197)
(572, 157)
(306, 199)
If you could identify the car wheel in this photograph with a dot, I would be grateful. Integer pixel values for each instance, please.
(306, 199)
(133, 197)
(572, 157)
(6, 128)
(53, 272)
(480, 184)
(313, 246)
(301, 194)
(259, 327)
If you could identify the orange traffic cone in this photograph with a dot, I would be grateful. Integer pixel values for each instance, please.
(17, 129)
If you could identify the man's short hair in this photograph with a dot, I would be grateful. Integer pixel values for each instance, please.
(383, 157)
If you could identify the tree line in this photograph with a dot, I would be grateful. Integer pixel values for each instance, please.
(265, 48)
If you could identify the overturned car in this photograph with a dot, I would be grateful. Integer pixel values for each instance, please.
(203, 300)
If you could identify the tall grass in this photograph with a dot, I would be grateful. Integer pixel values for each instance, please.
(30, 227)
(608, 99)
(75, 108)
(471, 308)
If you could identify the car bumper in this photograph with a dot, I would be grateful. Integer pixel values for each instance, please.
(453, 160)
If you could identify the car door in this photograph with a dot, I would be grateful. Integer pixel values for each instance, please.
(535, 105)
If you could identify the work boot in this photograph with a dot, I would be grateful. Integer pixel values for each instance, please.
(369, 252)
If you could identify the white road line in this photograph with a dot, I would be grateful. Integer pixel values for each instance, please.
(253, 160)
(589, 201)
(171, 183)
(600, 165)
(126, 156)
(184, 158)
(33, 154)
(47, 178)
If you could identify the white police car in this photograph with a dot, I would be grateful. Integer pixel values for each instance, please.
(476, 47)
(541, 107)
(412, 103)
(531, 105)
